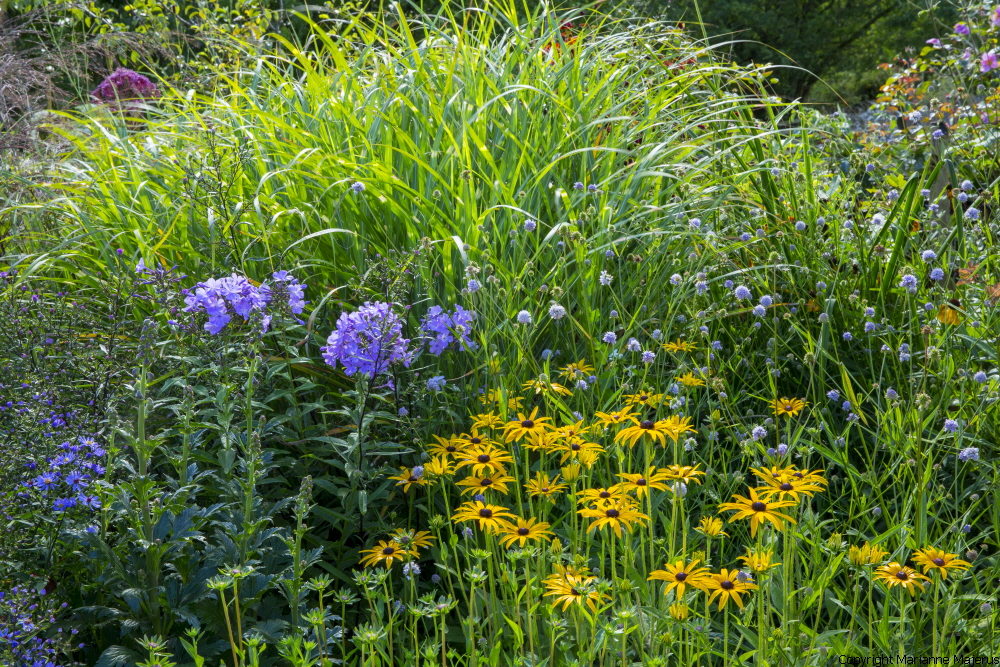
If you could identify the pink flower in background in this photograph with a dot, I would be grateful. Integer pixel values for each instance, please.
(961, 29)
(989, 61)
(996, 17)
(935, 42)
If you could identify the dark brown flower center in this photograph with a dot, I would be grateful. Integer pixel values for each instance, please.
(786, 487)
(758, 507)
(451, 449)
(647, 424)
(798, 475)
(641, 481)
(644, 397)
(789, 407)
(938, 561)
(486, 481)
(727, 585)
(483, 458)
(545, 489)
(604, 494)
(575, 447)
(413, 478)
(612, 513)
(486, 513)
(902, 575)
(527, 423)
(388, 551)
(523, 531)
(574, 591)
(475, 441)
(681, 576)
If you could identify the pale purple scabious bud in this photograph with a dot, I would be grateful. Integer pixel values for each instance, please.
(928, 256)
(972, 213)
(410, 570)
(557, 312)
(746, 236)
(876, 511)
(759, 311)
(833, 395)
(742, 293)
(766, 301)
(436, 578)
(402, 412)
(909, 282)
(800, 226)
(436, 383)
(657, 334)
(758, 432)
(591, 188)
(578, 186)
(891, 394)
(937, 274)
(648, 357)
(358, 187)
(823, 318)
(613, 314)
(530, 225)
(633, 345)
(950, 425)
(701, 286)
(609, 337)
(969, 454)
(676, 279)
(848, 336)
(782, 449)
(524, 317)
(980, 377)
(605, 278)
(467, 532)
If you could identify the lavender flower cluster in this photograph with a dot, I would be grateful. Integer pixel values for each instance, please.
(221, 298)
(124, 85)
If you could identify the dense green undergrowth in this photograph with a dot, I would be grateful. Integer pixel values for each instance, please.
(563, 288)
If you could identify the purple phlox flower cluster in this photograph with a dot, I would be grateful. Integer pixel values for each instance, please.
(124, 85)
(220, 298)
(445, 328)
(368, 340)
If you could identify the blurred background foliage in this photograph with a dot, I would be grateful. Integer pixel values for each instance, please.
(825, 51)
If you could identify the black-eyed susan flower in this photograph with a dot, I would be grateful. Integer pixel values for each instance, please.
(577, 449)
(686, 474)
(544, 441)
(571, 472)
(489, 517)
(470, 439)
(621, 514)
(484, 459)
(791, 472)
(544, 386)
(866, 554)
(947, 314)
(523, 530)
(648, 399)
(677, 426)
(601, 497)
(678, 575)
(411, 539)
(387, 552)
(939, 561)
(570, 431)
(787, 407)
(725, 586)
(407, 477)
(493, 397)
(785, 486)
(572, 589)
(758, 511)
(438, 466)
(641, 483)
(711, 526)
(544, 487)
(576, 370)
(690, 380)
(894, 574)
(759, 561)
(444, 446)
(494, 481)
(617, 418)
(656, 431)
(678, 611)
(486, 420)
(678, 346)
(526, 426)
